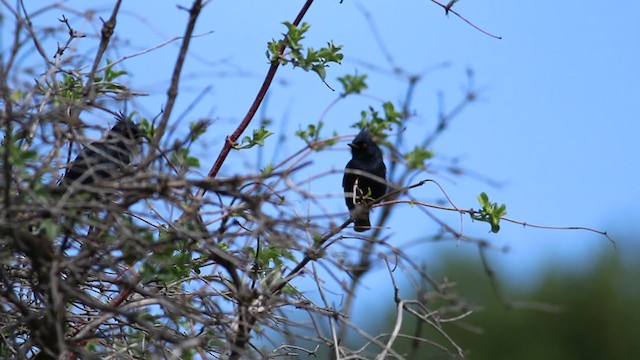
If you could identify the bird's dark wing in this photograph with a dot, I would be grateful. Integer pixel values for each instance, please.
(97, 162)
(378, 188)
(348, 180)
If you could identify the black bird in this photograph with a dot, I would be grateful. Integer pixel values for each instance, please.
(106, 158)
(363, 177)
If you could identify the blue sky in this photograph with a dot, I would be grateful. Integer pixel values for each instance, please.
(557, 120)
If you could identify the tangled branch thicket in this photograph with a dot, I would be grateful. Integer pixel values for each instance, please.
(160, 263)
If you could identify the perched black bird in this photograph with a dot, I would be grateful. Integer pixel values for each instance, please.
(106, 158)
(365, 164)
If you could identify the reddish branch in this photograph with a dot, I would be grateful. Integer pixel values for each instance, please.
(246, 321)
(233, 138)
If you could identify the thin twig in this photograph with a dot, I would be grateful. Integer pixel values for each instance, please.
(172, 92)
(108, 28)
(447, 10)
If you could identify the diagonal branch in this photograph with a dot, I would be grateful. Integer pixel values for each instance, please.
(233, 138)
(172, 93)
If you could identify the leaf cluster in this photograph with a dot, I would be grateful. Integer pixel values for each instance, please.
(290, 50)
(490, 212)
(258, 137)
(353, 84)
(376, 122)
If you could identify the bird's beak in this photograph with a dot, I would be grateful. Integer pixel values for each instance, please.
(352, 145)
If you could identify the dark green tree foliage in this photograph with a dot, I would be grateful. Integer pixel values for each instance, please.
(578, 314)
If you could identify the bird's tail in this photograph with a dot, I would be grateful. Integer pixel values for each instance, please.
(362, 225)
(360, 215)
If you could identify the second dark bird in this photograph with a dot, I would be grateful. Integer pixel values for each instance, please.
(106, 158)
(361, 188)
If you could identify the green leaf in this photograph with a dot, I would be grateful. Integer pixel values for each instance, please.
(294, 52)
(331, 53)
(197, 129)
(110, 75)
(51, 229)
(273, 52)
(378, 124)
(267, 169)
(147, 128)
(17, 95)
(490, 212)
(311, 133)
(193, 161)
(353, 84)
(319, 69)
(289, 290)
(181, 158)
(391, 114)
(311, 136)
(416, 158)
(173, 257)
(70, 87)
(258, 139)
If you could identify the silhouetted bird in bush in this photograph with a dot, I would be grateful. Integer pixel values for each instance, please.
(106, 158)
(364, 179)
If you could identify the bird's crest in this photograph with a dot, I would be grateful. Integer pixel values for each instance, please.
(363, 136)
(125, 127)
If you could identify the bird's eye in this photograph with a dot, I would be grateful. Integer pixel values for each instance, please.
(365, 145)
